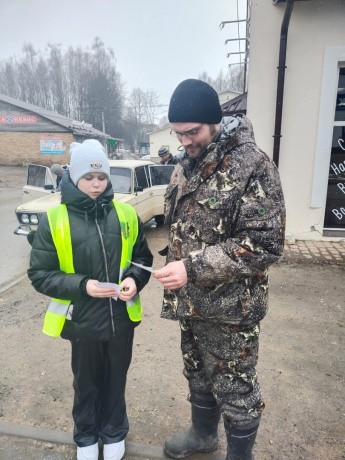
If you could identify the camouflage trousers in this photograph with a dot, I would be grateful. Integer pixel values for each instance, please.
(220, 359)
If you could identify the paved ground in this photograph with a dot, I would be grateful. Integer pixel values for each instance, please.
(321, 252)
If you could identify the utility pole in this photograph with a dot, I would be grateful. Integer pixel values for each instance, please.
(103, 128)
(103, 122)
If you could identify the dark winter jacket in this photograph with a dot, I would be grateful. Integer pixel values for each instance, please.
(93, 223)
(171, 161)
(227, 217)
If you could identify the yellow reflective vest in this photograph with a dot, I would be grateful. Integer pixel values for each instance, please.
(55, 316)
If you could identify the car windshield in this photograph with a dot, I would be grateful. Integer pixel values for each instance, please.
(121, 179)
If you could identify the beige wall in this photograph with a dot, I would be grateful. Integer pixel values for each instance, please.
(226, 96)
(19, 148)
(314, 25)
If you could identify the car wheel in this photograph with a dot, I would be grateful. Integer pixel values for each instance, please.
(159, 220)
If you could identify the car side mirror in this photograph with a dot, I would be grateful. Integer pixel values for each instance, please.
(137, 188)
(49, 187)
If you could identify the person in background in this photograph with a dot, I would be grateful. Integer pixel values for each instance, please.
(225, 211)
(91, 238)
(166, 157)
(57, 170)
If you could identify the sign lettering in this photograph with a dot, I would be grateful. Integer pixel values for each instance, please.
(335, 201)
(339, 213)
(18, 119)
(341, 186)
(340, 142)
(337, 169)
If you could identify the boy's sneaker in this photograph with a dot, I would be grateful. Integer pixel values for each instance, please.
(114, 451)
(88, 452)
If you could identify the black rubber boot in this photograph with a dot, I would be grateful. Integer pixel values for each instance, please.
(203, 434)
(240, 442)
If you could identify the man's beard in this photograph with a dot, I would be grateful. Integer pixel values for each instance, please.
(201, 146)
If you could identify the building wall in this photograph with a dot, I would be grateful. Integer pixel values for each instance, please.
(20, 142)
(40, 124)
(20, 148)
(227, 96)
(314, 25)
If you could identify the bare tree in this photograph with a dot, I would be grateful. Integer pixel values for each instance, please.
(142, 110)
(151, 106)
(27, 82)
(9, 79)
(163, 122)
(81, 84)
(235, 78)
(232, 81)
(58, 78)
(104, 88)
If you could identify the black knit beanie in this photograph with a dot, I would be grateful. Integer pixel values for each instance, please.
(194, 101)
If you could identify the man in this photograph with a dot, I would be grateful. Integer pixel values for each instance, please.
(166, 157)
(225, 210)
(58, 171)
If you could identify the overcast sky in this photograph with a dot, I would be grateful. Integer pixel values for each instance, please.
(157, 43)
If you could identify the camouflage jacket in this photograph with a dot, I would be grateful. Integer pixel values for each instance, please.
(226, 216)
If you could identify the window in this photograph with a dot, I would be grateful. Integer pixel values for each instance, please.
(121, 179)
(328, 149)
(141, 178)
(335, 202)
(160, 175)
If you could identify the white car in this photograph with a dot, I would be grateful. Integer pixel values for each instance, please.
(39, 182)
(140, 183)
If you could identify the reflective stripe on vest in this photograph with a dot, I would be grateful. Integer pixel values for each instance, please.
(61, 233)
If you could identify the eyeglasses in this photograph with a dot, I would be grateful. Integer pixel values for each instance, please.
(190, 134)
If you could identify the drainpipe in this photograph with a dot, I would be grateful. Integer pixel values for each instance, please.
(281, 77)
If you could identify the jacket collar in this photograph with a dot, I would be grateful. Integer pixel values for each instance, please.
(79, 201)
(234, 132)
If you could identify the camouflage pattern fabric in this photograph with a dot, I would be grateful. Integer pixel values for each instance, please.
(220, 359)
(227, 220)
(226, 216)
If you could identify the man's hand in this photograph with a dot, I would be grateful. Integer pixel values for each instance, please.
(173, 275)
(128, 289)
(95, 291)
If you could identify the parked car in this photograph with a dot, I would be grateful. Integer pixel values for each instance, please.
(39, 182)
(139, 183)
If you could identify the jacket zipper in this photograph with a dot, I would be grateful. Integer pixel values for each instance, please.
(106, 272)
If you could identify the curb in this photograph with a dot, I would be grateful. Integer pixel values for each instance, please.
(13, 283)
(60, 437)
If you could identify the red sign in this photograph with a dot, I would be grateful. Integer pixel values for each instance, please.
(18, 119)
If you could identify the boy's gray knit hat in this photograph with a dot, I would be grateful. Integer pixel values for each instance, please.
(88, 157)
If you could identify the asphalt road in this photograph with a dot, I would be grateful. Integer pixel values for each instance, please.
(15, 250)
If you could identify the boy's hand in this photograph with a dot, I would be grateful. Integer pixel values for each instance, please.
(95, 291)
(128, 289)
